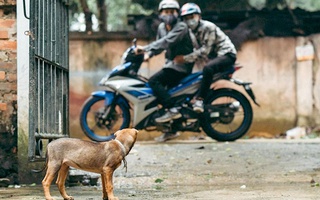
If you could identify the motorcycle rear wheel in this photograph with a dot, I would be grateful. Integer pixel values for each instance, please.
(227, 116)
(100, 122)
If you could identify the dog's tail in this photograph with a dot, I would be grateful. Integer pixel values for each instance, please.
(44, 167)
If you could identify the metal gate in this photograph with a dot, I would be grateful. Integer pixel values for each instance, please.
(49, 75)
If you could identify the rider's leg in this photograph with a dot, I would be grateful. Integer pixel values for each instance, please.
(158, 82)
(213, 66)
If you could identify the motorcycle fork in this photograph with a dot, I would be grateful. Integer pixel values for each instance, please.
(110, 107)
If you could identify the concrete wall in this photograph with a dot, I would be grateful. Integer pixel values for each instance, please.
(287, 90)
(285, 87)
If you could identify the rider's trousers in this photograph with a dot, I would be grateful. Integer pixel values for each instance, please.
(213, 66)
(161, 81)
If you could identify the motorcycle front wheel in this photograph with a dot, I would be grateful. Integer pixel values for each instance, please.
(227, 116)
(100, 122)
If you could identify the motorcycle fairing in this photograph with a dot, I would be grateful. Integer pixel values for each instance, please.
(188, 85)
(109, 96)
(141, 94)
(117, 69)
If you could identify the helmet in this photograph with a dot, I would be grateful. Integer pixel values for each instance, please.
(190, 8)
(164, 4)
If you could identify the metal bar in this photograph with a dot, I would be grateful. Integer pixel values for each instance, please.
(53, 30)
(45, 29)
(41, 97)
(48, 136)
(32, 81)
(66, 37)
(52, 102)
(46, 98)
(39, 28)
(51, 63)
(25, 10)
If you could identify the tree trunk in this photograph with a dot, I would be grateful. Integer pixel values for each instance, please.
(102, 8)
(87, 15)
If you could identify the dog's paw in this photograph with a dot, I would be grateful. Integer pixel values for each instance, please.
(111, 198)
(69, 198)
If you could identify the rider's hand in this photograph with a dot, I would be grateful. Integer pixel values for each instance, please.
(179, 59)
(146, 57)
(138, 50)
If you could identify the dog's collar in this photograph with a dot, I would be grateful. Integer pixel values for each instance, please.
(124, 153)
(123, 149)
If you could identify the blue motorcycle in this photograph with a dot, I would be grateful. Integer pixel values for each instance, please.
(128, 101)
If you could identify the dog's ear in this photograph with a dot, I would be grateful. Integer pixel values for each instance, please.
(115, 134)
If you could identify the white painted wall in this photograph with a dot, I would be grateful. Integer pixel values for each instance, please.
(23, 66)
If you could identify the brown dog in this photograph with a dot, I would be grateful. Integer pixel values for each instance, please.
(103, 158)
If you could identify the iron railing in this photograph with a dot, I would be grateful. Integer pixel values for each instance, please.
(49, 74)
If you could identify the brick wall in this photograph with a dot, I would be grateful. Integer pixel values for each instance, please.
(8, 60)
(8, 92)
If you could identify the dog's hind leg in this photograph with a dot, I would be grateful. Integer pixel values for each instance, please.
(62, 176)
(46, 182)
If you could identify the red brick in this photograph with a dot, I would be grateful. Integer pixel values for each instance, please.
(8, 45)
(7, 23)
(12, 55)
(6, 65)
(13, 87)
(3, 106)
(10, 97)
(12, 77)
(4, 35)
(8, 2)
(2, 75)
(7, 87)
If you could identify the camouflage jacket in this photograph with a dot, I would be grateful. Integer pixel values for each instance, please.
(212, 42)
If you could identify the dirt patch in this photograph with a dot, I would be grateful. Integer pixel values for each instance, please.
(246, 169)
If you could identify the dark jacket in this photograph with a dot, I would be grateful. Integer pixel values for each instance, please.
(176, 42)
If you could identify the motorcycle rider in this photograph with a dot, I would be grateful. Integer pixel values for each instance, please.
(172, 37)
(212, 47)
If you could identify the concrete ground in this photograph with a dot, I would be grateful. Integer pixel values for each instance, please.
(252, 169)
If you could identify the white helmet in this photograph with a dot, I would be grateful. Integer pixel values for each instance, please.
(190, 8)
(167, 4)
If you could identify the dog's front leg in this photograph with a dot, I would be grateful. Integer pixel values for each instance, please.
(108, 183)
(104, 189)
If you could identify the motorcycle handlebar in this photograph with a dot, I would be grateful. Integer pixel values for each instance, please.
(134, 41)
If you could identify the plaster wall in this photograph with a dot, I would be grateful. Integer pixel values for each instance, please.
(287, 90)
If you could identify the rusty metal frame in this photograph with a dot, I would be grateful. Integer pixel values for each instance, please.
(49, 74)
